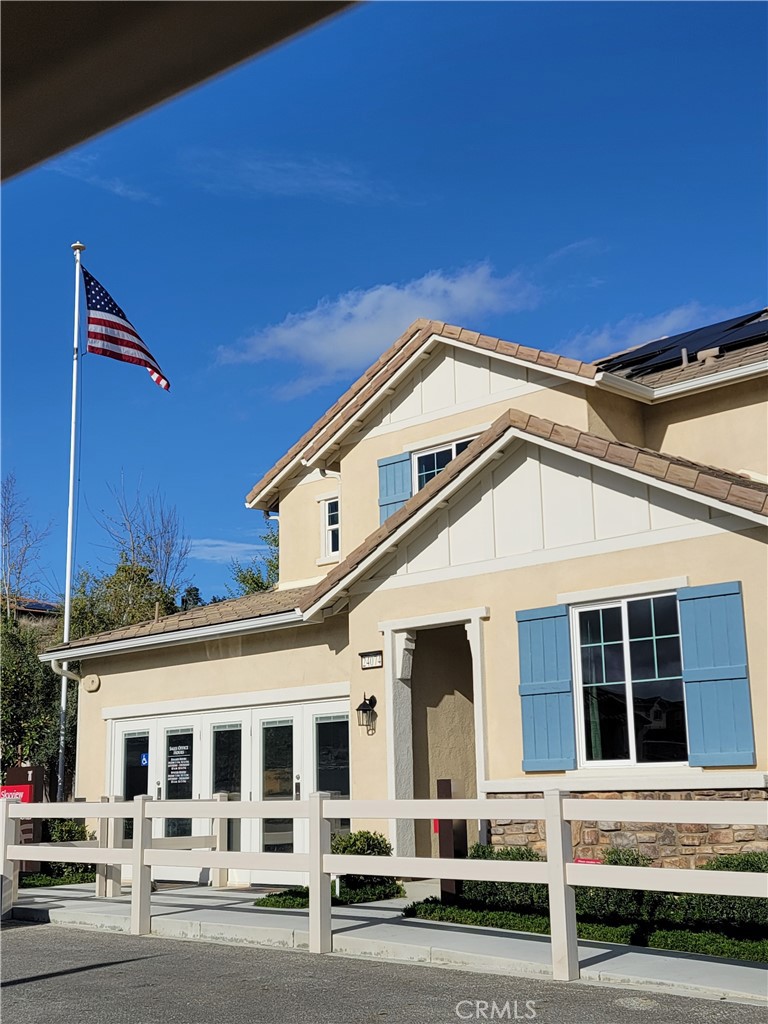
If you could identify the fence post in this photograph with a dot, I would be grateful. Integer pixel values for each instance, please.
(320, 940)
(141, 877)
(115, 842)
(102, 838)
(220, 876)
(562, 898)
(9, 827)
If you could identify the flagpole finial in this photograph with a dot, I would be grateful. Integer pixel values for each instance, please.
(77, 246)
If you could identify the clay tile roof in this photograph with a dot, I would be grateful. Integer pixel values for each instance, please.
(708, 481)
(254, 606)
(381, 372)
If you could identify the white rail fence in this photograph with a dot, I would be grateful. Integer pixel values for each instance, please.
(209, 851)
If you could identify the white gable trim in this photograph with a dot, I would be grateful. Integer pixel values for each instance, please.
(386, 548)
(430, 344)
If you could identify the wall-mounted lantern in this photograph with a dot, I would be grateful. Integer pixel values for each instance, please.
(366, 714)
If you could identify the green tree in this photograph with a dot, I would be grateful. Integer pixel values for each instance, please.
(262, 571)
(29, 702)
(123, 597)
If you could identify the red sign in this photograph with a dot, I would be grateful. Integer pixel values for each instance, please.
(586, 860)
(17, 794)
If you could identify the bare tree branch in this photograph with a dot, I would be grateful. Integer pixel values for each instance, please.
(20, 544)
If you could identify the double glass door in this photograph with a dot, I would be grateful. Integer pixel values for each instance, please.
(275, 754)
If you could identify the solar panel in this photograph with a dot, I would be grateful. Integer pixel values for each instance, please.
(662, 353)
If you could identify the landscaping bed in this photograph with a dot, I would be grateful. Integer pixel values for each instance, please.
(726, 926)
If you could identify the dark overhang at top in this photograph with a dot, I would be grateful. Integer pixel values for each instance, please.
(73, 70)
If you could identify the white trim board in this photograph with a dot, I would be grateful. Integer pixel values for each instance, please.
(629, 590)
(217, 702)
(689, 531)
(630, 780)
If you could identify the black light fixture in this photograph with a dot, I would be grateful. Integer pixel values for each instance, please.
(366, 715)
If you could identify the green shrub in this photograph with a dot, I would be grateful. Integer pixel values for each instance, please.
(626, 858)
(433, 910)
(295, 898)
(710, 944)
(65, 830)
(741, 916)
(750, 860)
(365, 888)
(614, 906)
(39, 879)
(511, 896)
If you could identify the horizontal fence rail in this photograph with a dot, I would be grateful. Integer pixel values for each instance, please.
(110, 852)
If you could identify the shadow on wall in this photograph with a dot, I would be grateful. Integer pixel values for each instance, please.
(443, 721)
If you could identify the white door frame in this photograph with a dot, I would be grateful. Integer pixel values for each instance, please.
(399, 643)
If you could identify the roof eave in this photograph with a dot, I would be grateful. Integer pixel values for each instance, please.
(654, 396)
(152, 641)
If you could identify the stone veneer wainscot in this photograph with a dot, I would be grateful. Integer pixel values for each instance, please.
(670, 846)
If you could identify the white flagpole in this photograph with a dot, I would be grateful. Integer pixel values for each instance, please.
(77, 247)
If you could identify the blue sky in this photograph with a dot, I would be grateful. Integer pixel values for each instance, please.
(572, 176)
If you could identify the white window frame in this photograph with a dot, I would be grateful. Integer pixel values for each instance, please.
(327, 531)
(433, 450)
(578, 686)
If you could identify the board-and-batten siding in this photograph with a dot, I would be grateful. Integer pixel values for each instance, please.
(450, 377)
(536, 499)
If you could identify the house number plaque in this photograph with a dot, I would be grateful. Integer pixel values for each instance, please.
(371, 659)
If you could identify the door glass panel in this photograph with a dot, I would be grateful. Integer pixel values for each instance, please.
(135, 772)
(178, 777)
(332, 761)
(227, 768)
(277, 782)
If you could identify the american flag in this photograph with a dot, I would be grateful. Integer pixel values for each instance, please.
(111, 333)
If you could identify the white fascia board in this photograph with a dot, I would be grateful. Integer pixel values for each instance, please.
(180, 636)
(407, 527)
(652, 396)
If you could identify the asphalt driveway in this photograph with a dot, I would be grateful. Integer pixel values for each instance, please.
(54, 975)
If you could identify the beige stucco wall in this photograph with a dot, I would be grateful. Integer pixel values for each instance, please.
(293, 657)
(301, 528)
(724, 557)
(726, 426)
(358, 463)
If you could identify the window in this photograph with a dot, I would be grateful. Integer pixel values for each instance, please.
(331, 527)
(427, 465)
(630, 706)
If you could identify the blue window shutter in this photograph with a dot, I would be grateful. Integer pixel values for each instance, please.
(717, 703)
(395, 486)
(546, 689)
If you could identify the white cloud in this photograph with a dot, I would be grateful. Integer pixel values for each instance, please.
(595, 343)
(210, 549)
(344, 334)
(264, 174)
(81, 167)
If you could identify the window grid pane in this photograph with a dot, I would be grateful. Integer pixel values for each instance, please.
(647, 690)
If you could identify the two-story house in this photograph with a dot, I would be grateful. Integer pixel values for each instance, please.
(547, 573)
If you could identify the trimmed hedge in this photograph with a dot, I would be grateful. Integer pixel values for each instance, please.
(39, 879)
(432, 909)
(729, 926)
(710, 944)
(365, 888)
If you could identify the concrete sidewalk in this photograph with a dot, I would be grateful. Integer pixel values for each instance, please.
(378, 930)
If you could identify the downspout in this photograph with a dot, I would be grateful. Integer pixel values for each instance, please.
(60, 671)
